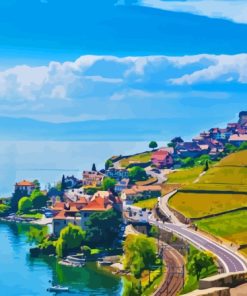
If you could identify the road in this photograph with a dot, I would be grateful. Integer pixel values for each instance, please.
(230, 261)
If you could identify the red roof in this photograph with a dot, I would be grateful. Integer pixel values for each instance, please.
(160, 155)
(25, 183)
(98, 204)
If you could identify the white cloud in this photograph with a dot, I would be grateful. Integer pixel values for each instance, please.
(234, 10)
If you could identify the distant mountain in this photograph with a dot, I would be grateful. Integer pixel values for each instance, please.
(98, 130)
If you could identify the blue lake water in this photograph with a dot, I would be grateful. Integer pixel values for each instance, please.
(48, 161)
(24, 276)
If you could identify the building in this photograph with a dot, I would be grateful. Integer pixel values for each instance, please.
(92, 178)
(237, 139)
(25, 186)
(242, 117)
(121, 185)
(97, 204)
(137, 193)
(74, 194)
(117, 174)
(72, 182)
(65, 213)
(188, 149)
(162, 158)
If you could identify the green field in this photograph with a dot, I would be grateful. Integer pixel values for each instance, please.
(148, 203)
(140, 158)
(197, 205)
(231, 226)
(215, 187)
(235, 159)
(185, 176)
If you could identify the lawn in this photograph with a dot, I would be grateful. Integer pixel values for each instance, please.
(235, 159)
(215, 187)
(231, 226)
(197, 205)
(140, 158)
(185, 176)
(147, 203)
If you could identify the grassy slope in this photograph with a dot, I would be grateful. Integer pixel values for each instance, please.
(148, 203)
(143, 157)
(185, 176)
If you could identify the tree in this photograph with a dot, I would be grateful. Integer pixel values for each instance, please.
(243, 146)
(4, 210)
(108, 164)
(154, 231)
(188, 162)
(94, 168)
(102, 228)
(137, 174)
(70, 239)
(199, 262)
(39, 199)
(153, 145)
(229, 148)
(206, 167)
(63, 184)
(177, 140)
(37, 184)
(108, 183)
(17, 195)
(25, 205)
(139, 253)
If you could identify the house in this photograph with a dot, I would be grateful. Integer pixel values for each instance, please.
(92, 178)
(117, 174)
(67, 212)
(238, 139)
(74, 194)
(25, 186)
(97, 204)
(162, 158)
(121, 185)
(188, 149)
(136, 193)
(72, 182)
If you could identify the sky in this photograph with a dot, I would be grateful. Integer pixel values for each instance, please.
(68, 61)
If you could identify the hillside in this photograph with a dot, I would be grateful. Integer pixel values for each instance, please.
(218, 200)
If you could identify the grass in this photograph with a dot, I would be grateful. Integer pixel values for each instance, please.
(215, 187)
(185, 176)
(191, 282)
(235, 159)
(231, 226)
(150, 181)
(147, 203)
(140, 158)
(156, 279)
(197, 205)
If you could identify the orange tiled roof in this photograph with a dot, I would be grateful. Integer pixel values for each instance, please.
(98, 204)
(25, 183)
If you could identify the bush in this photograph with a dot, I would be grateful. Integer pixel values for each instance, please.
(25, 205)
(137, 174)
(4, 210)
(39, 199)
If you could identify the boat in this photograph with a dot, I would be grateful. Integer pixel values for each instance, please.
(58, 288)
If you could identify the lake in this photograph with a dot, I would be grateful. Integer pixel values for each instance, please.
(25, 276)
(48, 161)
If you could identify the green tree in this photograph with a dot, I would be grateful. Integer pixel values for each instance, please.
(200, 261)
(154, 231)
(206, 167)
(4, 210)
(17, 195)
(37, 235)
(153, 145)
(229, 148)
(108, 183)
(188, 162)
(63, 184)
(37, 184)
(131, 287)
(108, 164)
(86, 250)
(102, 228)
(25, 205)
(139, 253)
(243, 146)
(137, 174)
(94, 167)
(70, 239)
(39, 199)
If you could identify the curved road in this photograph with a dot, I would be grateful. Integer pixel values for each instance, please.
(230, 261)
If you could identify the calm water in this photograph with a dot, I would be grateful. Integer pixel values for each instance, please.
(48, 161)
(25, 276)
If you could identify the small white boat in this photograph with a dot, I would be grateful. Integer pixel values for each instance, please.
(58, 288)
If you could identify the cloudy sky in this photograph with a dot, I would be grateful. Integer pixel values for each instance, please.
(63, 61)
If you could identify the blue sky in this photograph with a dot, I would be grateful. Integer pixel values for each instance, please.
(63, 61)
